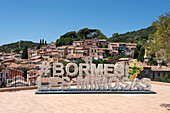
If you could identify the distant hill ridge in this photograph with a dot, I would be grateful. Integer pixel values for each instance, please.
(133, 36)
(20, 44)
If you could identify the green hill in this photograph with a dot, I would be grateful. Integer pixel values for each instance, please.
(133, 36)
(86, 33)
(17, 46)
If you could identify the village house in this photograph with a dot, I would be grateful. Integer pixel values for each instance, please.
(32, 76)
(130, 48)
(54, 51)
(62, 51)
(95, 42)
(53, 44)
(126, 48)
(46, 57)
(102, 41)
(79, 52)
(2, 55)
(71, 49)
(78, 43)
(98, 53)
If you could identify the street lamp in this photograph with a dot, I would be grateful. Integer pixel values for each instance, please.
(159, 62)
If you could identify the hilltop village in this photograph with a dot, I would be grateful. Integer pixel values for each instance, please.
(26, 71)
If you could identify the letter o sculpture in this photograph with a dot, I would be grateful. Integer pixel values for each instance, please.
(75, 69)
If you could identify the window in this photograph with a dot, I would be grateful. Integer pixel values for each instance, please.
(146, 71)
(158, 74)
(69, 52)
(153, 76)
(69, 49)
(60, 49)
(163, 74)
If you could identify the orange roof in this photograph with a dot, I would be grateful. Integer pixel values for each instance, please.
(131, 44)
(53, 43)
(14, 65)
(62, 47)
(71, 46)
(37, 60)
(102, 40)
(100, 51)
(163, 68)
(79, 48)
(114, 51)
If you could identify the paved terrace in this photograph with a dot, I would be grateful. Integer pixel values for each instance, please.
(26, 101)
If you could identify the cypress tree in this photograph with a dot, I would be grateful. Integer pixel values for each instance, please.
(25, 53)
(43, 42)
(40, 41)
(141, 54)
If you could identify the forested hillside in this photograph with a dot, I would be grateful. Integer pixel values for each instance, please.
(133, 36)
(17, 46)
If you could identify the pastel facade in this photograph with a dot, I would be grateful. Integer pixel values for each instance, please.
(62, 51)
(126, 48)
(78, 43)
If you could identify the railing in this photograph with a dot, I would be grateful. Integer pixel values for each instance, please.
(16, 78)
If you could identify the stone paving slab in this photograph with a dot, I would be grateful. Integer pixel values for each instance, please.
(27, 101)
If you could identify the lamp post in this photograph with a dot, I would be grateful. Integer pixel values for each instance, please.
(159, 62)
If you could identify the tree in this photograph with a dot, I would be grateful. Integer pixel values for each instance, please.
(141, 54)
(152, 60)
(82, 33)
(105, 46)
(159, 42)
(40, 42)
(17, 50)
(135, 56)
(38, 47)
(25, 53)
(86, 33)
(106, 53)
(100, 46)
(71, 34)
(45, 42)
(79, 61)
(64, 41)
(115, 35)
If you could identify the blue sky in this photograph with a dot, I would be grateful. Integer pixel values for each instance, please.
(49, 19)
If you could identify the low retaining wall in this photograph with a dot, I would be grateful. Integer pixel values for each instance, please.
(160, 83)
(18, 88)
(35, 87)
